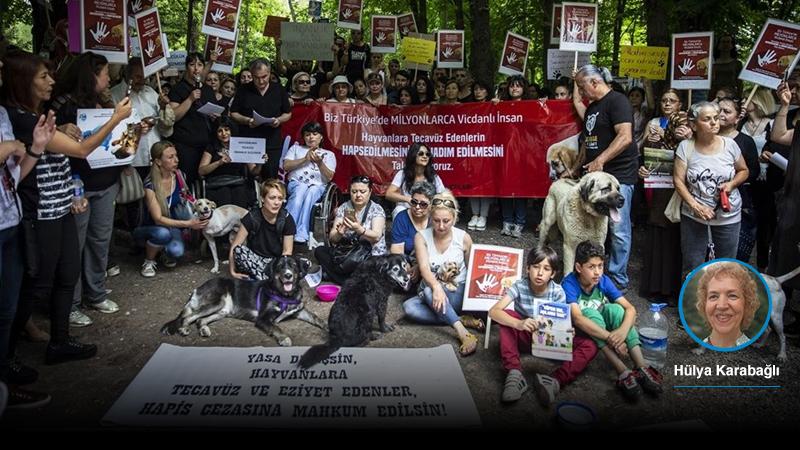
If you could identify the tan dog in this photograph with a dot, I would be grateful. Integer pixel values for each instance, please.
(562, 159)
(221, 222)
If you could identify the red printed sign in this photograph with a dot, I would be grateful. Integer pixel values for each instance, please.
(221, 18)
(578, 27)
(384, 34)
(104, 29)
(137, 6)
(450, 49)
(774, 55)
(691, 60)
(480, 149)
(349, 15)
(148, 26)
(515, 54)
(406, 24)
(555, 25)
(225, 51)
(491, 271)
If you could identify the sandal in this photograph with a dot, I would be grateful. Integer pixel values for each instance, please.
(472, 322)
(469, 345)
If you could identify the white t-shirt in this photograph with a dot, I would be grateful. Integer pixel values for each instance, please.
(398, 181)
(9, 201)
(309, 172)
(144, 104)
(761, 141)
(453, 253)
(704, 174)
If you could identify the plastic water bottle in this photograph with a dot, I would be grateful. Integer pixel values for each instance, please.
(78, 199)
(653, 332)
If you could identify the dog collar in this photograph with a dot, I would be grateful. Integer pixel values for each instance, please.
(284, 302)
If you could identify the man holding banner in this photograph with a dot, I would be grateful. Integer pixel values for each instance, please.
(608, 137)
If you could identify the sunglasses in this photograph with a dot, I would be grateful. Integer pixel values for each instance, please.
(303, 81)
(419, 204)
(447, 203)
(423, 154)
(361, 179)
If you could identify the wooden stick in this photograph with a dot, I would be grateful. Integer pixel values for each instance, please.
(158, 81)
(575, 64)
(488, 331)
(690, 98)
(750, 97)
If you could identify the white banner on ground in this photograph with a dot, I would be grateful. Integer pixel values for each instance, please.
(263, 387)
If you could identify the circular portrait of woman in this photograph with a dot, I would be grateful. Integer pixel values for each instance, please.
(724, 305)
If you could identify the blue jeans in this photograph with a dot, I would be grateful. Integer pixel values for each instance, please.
(11, 281)
(514, 210)
(419, 309)
(302, 198)
(621, 239)
(694, 241)
(169, 238)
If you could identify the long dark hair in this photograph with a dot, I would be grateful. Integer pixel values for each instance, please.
(19, 69)
(79, 80)
(518, 80)
(430, 91)
(411, 165)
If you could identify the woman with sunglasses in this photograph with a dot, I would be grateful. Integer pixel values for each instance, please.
(418, 167)
(357, 219)
(438, 247)
(416, 218)
(301, 89)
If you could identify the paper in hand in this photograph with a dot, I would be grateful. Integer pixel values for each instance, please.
(258, 119)
(211, 108)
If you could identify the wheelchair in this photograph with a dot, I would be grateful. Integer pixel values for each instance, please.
(323, 215)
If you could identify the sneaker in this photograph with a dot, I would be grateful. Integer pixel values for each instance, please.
(516, 231)
(170, 263)
(148, 269)
(506, 231)
(472, 223)
(628, 385)
(71, 350)
(112, 270)
(546, 388)
(649, 379)
(19, 373)
(78, 319)
(515, 386)
(105, 307)
(25, 399)
(480, 225)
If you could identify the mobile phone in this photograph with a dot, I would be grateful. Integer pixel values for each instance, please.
(350, 214)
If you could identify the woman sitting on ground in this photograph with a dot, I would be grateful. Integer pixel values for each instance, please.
(227, 183)
(266, 233)
(166, 211)
(418, 167)
(442, 253)
(357, 219)
(310, 169)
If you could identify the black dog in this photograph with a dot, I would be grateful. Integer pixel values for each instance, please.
(363, 298)
(264, 302)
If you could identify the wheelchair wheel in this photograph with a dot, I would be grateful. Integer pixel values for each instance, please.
(325, 213)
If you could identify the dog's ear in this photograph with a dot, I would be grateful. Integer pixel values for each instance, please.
(212, 204)
(305, 265)
(586, 189)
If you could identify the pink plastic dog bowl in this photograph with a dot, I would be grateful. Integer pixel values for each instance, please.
(327, 292)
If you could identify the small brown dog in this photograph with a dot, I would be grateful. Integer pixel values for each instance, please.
(447, 274)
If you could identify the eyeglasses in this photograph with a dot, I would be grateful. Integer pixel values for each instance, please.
(669, 100)
(448, 203)
(419, 204)
(423, 154)
(303, 81)
(361, 179)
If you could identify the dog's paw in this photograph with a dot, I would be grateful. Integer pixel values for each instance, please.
(215, 269)
(375, 335)
(285, 342)
(183, 331)
(698, 351)
(387, 328)
(782, 357)
(205, 331)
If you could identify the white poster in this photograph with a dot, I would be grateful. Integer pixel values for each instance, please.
(492, 270)
(307, 41)
(263, 387)
(248, 150)
(578, 27)
(560, 63)
(90, 121)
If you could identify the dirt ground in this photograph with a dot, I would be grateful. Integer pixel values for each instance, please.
(84, 391)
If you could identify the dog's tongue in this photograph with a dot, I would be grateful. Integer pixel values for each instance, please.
(613, 213)
(288, 287)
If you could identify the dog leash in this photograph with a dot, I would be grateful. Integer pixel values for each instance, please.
(710, 247)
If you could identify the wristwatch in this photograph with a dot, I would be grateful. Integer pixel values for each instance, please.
(31, 153)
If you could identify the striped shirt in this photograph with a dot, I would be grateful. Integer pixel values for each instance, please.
(523, 296)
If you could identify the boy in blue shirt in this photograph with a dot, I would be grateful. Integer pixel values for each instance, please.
(599, 309)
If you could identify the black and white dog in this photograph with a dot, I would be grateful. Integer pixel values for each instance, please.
(363, 299)
(263, 302)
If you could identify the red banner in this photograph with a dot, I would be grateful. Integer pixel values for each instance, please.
(480, 149)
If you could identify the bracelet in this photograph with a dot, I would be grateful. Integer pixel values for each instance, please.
(31, 153)
(363, 232)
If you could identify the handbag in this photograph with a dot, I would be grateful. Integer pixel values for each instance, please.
(131, 188)
(673, 210)
(166, 120)
(352, 251)
(221, 181)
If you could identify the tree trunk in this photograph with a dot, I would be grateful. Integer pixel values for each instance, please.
(657, 36)
(617, 36)
(546, 22)
(420, 10)
(459, 4)
(481, 58)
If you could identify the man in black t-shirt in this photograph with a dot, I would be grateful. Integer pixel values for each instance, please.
(358, 54)
(269, 100)
(608, 138)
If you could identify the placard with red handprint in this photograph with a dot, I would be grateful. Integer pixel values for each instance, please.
(221, 18)
(148, 28)
(555, 25)
(774, 55)
(104, 24)
(349, 15)
(225, 52)
(406, 23)
(450, 49)
(515, 54)
(691, 60)
(491, 271)
(578, 27)
(384, 34)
